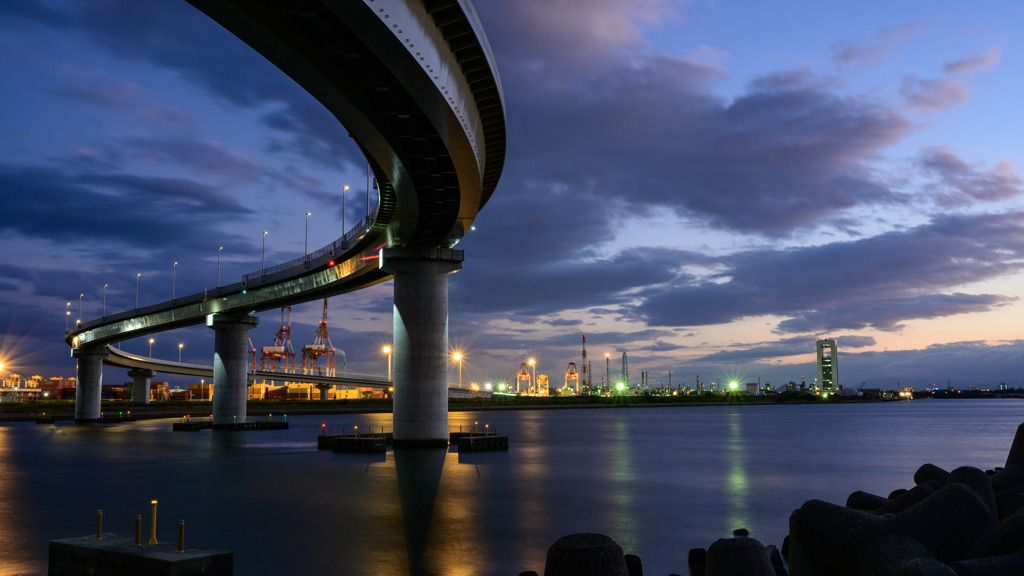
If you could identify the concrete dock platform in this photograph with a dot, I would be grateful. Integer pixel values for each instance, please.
(117, 556)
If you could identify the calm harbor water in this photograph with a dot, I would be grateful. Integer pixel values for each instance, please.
(658, 480)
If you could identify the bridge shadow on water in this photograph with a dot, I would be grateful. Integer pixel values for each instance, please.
(419, 476)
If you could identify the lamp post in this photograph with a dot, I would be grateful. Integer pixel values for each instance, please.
(174, 272)
(218, 265)
(151, 347)
(344, 189)
(67, 316)
(79, 309)
(305, 249)
(387, 350)
(104, 300)
(533, 377)
(180, 346)
(607, 369)
(458, 358)
(137, 276)
(263, 259)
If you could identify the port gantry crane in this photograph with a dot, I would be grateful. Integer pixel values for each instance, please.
(524, 374)
(282, 348)
(572, 374)
(321, 346)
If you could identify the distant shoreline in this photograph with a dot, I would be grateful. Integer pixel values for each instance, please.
(64, 409)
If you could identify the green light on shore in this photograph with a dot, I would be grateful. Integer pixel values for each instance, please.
(733, 385)
(620, 386)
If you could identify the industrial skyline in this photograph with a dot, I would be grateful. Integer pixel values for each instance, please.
(684, 183)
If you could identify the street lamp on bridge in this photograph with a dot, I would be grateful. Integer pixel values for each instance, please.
(104, 300)
(263, 258)
(180, 346)
(218, 265)
(137, 276)
(387, 350)
(343, 229)
(305, 249)
(151, 340)
(174, 271)
(79, 310)
(67, 316)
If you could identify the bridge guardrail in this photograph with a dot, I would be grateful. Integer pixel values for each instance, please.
(336, 247)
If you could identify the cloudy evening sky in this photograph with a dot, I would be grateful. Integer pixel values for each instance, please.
(707, 185)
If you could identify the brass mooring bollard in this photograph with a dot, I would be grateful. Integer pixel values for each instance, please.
(181, 535)
(152, 528)
(99, 524)
(138, 529)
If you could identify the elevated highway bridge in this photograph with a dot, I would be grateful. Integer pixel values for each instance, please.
(415, 84)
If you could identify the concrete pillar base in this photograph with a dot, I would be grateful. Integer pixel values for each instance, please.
(230, 366)
(89, 390)
(420, 351)
(141, 379)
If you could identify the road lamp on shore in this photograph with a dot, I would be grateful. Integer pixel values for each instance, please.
(607, 369)
(458, 358)
(151, 340)
(387, 350)
(263, 258)
(533, 377)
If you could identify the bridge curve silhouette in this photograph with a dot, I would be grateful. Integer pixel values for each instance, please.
(415, 84)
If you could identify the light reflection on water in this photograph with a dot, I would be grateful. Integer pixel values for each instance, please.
(658, 480)
(736, 483)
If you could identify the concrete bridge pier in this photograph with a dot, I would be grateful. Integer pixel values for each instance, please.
(89, 388)
(230, 365)
(420, 351)
(141, 378)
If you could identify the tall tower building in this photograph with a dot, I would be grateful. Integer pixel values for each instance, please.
(828, 365)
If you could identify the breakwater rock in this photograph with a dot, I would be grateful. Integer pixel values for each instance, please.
(961, 522)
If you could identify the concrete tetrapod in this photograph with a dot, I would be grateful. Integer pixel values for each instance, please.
(585, 554)
(828, 539)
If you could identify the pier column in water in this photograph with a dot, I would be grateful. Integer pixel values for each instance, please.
(420, 355)
(89, 387)
(230, 365)
(141, 378)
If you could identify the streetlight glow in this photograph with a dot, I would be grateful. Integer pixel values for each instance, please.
(104, 300)
(67, 316)
(174, 271)
(151, 347)
(457, 356)
(387, 350)
(137, 276)
(180, 346)
(533, 377)
(218, 265)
